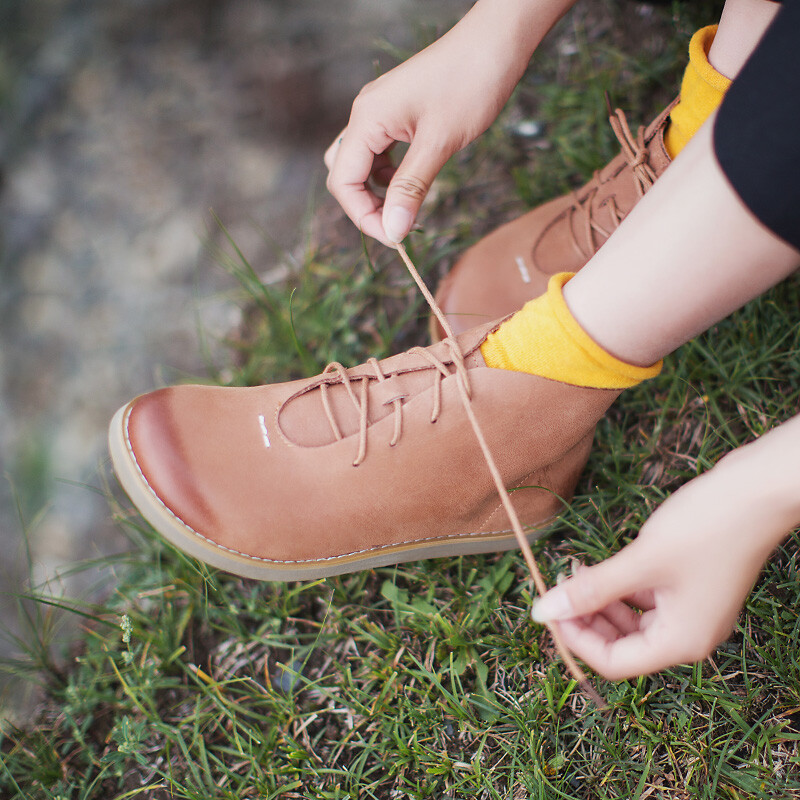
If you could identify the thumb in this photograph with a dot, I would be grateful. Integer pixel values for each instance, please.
(409, 186)
(591, 589)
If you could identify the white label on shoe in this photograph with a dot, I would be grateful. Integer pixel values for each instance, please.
(263, 424)
(523, 270)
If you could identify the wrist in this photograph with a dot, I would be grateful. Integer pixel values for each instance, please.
(757, 474)
(522, 23)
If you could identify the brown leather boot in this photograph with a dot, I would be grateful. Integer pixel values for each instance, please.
(354, 468)
(512, 265)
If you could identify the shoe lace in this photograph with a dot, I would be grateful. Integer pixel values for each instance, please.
(636, 154)
(361, 397)
(441, 371)
(440, 368)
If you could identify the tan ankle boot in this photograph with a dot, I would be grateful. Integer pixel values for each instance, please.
(354, 468)
(513, 264)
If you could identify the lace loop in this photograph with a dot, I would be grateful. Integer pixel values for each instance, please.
(636, 155)
(441, 371)
(361, 397)
(635, 151)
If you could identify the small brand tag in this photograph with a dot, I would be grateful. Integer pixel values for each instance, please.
(264, 434)
(523, 270)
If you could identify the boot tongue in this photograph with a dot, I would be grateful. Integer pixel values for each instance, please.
(304, 422)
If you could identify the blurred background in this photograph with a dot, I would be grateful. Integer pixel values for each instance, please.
(125, 128)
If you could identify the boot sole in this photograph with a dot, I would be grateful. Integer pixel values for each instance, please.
(195, 544)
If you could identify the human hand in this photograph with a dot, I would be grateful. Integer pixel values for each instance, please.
(673, 594)
(438, 101)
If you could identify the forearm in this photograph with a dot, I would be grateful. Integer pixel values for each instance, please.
(516, 25)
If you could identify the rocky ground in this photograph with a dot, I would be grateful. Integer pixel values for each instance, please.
(125, 125)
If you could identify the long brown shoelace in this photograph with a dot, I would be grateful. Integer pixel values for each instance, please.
(360, 397)
(635, 151)
(465, 394)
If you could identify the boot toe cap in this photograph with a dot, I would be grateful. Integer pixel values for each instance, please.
(160, 448)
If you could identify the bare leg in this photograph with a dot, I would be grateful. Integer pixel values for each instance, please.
(688, 255)
(741, 26)
(690, 252)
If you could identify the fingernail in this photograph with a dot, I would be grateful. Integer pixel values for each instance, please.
(398, 223)
(554, 605)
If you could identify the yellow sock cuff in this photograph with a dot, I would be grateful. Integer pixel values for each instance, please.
(702, 90)
(543, 338)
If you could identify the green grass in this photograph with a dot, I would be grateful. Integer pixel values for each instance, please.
(428, 680)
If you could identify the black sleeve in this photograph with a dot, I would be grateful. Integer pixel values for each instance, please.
(757, 130)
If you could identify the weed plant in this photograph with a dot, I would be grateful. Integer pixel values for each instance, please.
(428, 679)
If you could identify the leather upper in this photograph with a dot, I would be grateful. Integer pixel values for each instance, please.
(272, 472)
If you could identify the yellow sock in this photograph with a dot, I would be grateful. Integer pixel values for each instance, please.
(702, 90)
(543, 338)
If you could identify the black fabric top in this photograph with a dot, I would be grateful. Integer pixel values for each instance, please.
(757, 130)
